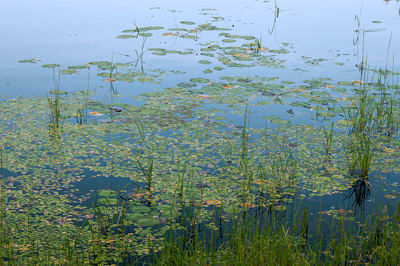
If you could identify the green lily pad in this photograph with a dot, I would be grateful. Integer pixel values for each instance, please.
(204, 62)
(187, 22)
(68, 71)
(279, 51)
(188, 36)
(51, 65)
(77, 67)
(148, 28)
(156, 49)
(345, 83)
(32, 61)
(199, 80)
(228, 40)
(279, 121)
(145, 34)
(186, 84)
(159, 53)
(207, 54)
(125, 36)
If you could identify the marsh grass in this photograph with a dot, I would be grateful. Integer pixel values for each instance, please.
(278, 243)
(148, 174)
(55, 105)
(247, 174)
(361, 115)
(328, 139)
(373, 118)
(82, 112)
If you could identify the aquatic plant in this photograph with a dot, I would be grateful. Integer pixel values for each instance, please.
(139, 56)
(55, 104)
(328, 138)
(82, 112)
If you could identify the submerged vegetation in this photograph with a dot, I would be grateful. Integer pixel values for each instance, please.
(189, 174)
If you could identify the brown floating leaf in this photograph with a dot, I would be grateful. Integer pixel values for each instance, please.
(229, 86)
(169, 34)
(95, 113)
(212, 202)
(241, 55)
(344, 212)
(247, 205)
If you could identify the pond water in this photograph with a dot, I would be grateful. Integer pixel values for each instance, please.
(157, 106)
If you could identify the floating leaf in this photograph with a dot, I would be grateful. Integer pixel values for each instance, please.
(199, 80)
(150, 28)
(228, 40)
(77, 67)
(345, 83)
(68, 71)
(145, 34)
(278, 121)
(32, 61)
(188, 36)
(95, 113)
(187, 22)
(186, 84)
(125, 36)
(51, 65)
(204, 62)
(169, 34)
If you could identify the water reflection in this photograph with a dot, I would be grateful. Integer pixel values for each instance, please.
(276, 15)
(112, 89)
(359, 192)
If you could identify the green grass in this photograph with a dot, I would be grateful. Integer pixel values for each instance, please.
(377, 242)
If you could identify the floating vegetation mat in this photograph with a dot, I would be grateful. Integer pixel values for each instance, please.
(176, 152)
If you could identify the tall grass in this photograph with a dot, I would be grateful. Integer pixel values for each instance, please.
(55, 104)
(82, 112)
(376, 242)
